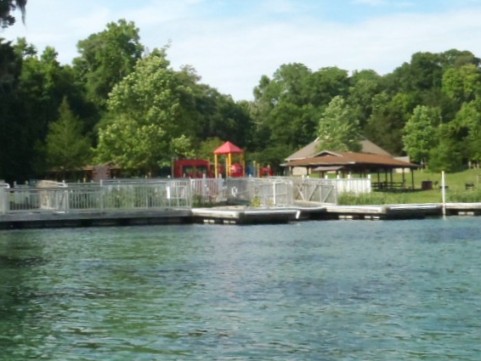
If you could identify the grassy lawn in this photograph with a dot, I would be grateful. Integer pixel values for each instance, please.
(455, 182)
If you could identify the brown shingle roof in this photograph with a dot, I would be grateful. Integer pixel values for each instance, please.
(312, 149)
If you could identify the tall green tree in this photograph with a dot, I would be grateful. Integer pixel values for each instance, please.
(149, 116)
(43, 83)
(467, 130)
(338, 127)
(364, 86)
(11, 132)
(419, 133)
(106, 58)
(66, 148)
(386, 122)
(447, 155)
(282, 110)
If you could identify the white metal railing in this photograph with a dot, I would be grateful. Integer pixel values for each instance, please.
(120, 195)
(207, 191)
(257, 192)
(260, 192)
(135, 194)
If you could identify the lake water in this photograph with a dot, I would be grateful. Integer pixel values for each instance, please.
(340, 290)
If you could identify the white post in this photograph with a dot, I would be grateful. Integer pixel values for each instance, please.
(274, 195)
(443, 192)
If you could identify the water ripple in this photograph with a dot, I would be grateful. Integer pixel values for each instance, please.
(310, 291)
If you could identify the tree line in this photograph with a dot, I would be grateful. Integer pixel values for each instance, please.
(119, 103)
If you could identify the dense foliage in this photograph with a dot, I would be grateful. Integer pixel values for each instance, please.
(117, 103)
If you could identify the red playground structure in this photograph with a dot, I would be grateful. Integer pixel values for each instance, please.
(199, 168)
(192, 168)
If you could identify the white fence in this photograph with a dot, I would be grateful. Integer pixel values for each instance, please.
(315, 190)
(118, 195)
(134, 194)
(256, 192)
(349, 185)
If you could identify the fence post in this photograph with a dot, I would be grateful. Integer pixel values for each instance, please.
(101, 194)
(66, 202)
(3, 198)
(274, 194)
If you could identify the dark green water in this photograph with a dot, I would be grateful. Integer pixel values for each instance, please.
(406, 290)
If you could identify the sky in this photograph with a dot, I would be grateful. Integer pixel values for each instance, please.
(232, 43)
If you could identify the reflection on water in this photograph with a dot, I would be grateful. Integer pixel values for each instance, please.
(406, 290)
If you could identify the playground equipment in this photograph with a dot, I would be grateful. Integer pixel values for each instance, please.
(229, 150)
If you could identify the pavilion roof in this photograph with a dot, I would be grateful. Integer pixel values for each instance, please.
(350, 159)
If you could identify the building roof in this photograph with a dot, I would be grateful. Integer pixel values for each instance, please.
(350, 160)
(312, 149)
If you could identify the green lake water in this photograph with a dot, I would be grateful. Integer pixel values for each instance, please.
(340, 290)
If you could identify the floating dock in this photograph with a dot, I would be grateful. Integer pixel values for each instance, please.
(384, 212)
(233, 215)
(241, 215)
(463, 209)
(45, 219)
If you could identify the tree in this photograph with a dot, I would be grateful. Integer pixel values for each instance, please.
(419, 133)
(338, 128)
(287, 107)
(42, 85)
(6, 9)
(462, 83)
(11, 131)
(364, 86)
(326, 83)
(467, 130)
(66, 147)
(386, 122)
(282, 110)
(106, 58)
(447, 154)
(149, 116)
(218, 116)
(456, 58)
